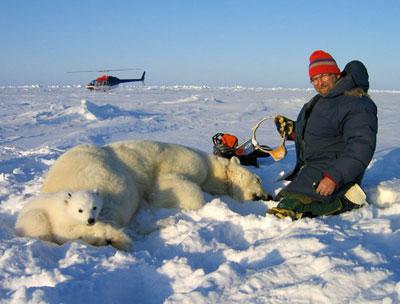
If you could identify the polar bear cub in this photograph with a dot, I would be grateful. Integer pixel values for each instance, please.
(63, 216)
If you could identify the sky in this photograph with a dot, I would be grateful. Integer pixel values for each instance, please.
(251, 43)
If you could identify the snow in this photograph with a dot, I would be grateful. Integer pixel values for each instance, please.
(226, 252)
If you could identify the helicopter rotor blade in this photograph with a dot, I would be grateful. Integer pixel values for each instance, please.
(104, 70)
(113, 70)
(70, 72)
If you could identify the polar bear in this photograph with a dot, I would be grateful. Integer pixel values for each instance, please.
(129, 174)
(63, 216)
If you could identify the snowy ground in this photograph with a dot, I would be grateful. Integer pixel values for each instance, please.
(227, 252)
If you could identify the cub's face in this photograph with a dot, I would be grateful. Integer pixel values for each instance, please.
(245, 185)
(83, 206)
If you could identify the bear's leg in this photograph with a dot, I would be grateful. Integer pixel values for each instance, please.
(34, 223)
(172, 190)
(102, 234)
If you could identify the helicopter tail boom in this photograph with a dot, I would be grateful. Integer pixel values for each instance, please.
(132, 80)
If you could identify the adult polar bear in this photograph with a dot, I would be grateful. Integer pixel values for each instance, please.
(130, 173)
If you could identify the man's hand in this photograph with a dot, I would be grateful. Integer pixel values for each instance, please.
(326, 187)
(284, 126)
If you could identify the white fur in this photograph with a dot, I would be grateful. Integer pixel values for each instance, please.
(63, 216)
(129, 173)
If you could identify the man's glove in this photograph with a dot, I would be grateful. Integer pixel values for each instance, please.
(285, 126)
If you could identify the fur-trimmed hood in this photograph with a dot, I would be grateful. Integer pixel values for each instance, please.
(356, 92)
(353, 80)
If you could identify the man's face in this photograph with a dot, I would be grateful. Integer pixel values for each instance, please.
(324, 83)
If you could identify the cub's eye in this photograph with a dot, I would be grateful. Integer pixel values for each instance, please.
(80, 210)
(94, 208)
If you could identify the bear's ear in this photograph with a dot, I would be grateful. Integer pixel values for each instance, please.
(67, 197)
(235, 160)
(96, 192)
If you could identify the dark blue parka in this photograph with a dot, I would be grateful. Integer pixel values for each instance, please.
(335, 135)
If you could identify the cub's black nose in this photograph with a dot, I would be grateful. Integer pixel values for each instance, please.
(91, 221)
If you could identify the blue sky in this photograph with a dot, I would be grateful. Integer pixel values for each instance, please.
(216, 43)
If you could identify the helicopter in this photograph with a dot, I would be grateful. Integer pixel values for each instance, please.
(107, 82)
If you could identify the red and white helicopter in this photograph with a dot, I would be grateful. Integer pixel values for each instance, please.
(107, 82)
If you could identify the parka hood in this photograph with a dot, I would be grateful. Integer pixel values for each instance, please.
(354, 75)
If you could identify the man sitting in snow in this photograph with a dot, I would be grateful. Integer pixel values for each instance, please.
(335, 138)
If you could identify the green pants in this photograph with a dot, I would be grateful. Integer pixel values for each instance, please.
(309, 207)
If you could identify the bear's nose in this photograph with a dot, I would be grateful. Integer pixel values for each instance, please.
(91, 221)
(262, 197)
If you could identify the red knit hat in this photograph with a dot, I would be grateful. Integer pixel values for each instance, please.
(322, 63)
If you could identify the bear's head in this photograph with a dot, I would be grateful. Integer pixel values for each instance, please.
(244, 185)
(83, 206)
